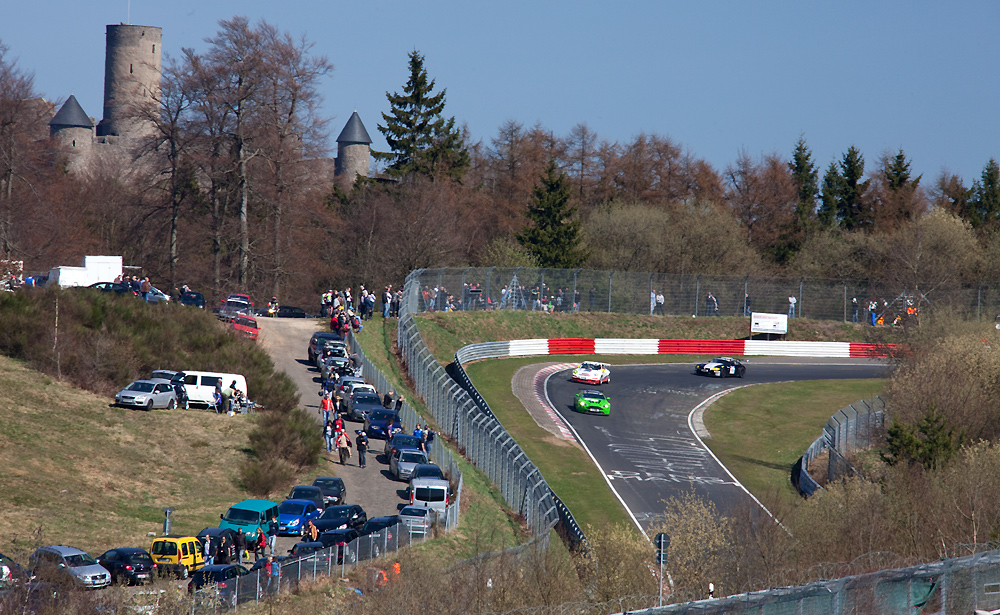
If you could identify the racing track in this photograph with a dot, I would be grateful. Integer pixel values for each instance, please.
(647, 450)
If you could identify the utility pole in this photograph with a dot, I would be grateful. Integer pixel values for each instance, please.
(662, 542)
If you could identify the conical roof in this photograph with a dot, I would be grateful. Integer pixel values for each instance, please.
(354, 132)
(71, 114)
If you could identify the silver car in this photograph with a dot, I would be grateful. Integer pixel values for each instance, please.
(417, 519)
(147, 394)
(403, 461)
(53, 563)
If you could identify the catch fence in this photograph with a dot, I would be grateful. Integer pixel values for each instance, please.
(852, 428)
(481, 438)
(588, 290)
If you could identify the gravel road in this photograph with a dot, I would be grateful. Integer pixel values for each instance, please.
(287, 341)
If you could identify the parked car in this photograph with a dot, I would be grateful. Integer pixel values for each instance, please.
(177, 555)
(307, 492)
(200, 386)
(147, 394)
(240, 297)
(430, 492)
(349, 384)
(293, 515)
(290, 311)
(223, 576)
(316, 342)
(10, 572)
(335, 365)
(246, 326)
(402, 462)
(217, 533)
(417, 519)
(155, 295)
(232, 308)
(361, 402)
(427, 470)
(113, 287)
(723, 367)
(251, 515)
(128, 565)
(378, 423)
(342, 539)
(401, 441)
(59, 564)
(341, 517)
(314, 549)
(193, 299)
(333, 488)
(386, 527)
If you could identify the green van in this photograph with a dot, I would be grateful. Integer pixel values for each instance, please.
(251, 516)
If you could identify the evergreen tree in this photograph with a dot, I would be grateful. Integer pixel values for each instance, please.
(421, 139)
(897, 173)
(852, 210)
(931, 442)
(553, 236)
(806, 179)
(985, 203)
(832, 186)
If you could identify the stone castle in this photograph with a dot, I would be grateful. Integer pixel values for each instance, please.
(132, 71)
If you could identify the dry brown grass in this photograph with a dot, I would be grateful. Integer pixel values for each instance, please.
(80, 473)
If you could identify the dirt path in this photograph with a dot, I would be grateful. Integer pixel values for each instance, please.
(287, 341)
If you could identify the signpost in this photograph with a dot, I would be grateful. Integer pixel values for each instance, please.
(661, 541)
(761, 322)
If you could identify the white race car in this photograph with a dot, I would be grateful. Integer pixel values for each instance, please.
(591, 372)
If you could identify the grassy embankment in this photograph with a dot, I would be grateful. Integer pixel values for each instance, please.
(757, 432)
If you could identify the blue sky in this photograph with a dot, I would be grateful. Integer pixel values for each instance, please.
(716, 77)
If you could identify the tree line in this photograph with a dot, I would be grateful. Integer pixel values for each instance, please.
(232, 189)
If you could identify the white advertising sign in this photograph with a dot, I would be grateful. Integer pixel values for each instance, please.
(768, 323)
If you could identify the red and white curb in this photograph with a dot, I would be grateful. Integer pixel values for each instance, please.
(538, 387)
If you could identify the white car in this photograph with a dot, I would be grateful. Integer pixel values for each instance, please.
(591, 372)
(147, 394)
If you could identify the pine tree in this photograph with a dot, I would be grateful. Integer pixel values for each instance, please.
(832, 186)
(985, 202)
(806, 178)
(852, 210)
(421, 140)
(553, 235)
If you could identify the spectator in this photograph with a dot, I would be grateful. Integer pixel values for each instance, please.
(791, 306)
(313, 531)
(659, 303)
(854, 309)
(746, 304)
(387, 399)
(344, 448)
(272, 535)
(362, 442)
(258, 546)
(328, 436)
(241, 546)
(207, 552)
(145, 288)
(711, 305)
(399, 403)
(325, 406)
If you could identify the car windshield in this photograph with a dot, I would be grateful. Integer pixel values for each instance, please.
(80, 559)
(142, 387)
(329, 483)
(412, 457)
(291, 508)
(590, 366)
(164, 547)
(238, 515)
(381, 415)
(402, 440)
(335, 512)
(430, 472)
(593, 396)
(366, 398)
(302, 494)
(413, 511)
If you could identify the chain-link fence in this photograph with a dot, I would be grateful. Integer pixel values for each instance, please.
(951, 586)
(481, 438)
(587, 290)
(852, 428)
(284, 576)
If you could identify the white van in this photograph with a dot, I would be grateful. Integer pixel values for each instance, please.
(433, 493)
(200, 386)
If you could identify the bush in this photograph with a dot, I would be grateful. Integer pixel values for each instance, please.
(261, 477)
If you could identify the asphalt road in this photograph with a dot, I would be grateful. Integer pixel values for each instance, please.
(287, 341)
(645, 447)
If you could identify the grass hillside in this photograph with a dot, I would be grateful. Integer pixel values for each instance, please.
(446, 332)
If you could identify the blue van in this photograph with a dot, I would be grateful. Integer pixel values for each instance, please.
(251, 516)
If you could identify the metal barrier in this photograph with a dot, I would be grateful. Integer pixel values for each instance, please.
(587, 290)
(470, 423)
(850, 429)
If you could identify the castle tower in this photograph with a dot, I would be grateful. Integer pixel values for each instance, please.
(73, 130)
(131, 78)
(353, 152)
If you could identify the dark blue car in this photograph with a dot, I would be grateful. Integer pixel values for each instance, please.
(379, 422)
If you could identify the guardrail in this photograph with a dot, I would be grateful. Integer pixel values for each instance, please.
(851, 428)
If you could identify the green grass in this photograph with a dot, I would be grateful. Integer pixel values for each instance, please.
(758, 432)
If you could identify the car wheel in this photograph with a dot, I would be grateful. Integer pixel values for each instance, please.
(171, 404)
(184, 572)
(149, 405)
(740, 374)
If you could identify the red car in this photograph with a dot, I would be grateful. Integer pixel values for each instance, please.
(247, 326)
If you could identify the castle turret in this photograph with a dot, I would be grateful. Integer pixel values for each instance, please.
(131, 79)
(353, 152)
(73, 129)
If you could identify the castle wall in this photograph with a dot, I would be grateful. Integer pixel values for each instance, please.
(131, 78)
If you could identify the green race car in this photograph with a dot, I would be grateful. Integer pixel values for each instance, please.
(593, 402)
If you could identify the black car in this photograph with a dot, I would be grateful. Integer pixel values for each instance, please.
(10, 572)
(317, 341)
(336, 517)
(378, 423)
(193, 299)
(217, 533)
(112, 287)
(307, 549)
(333, 488)
(360, 403)
(341, 539)
(223, 576)
(290, 311)
(427, 470)
(402, 441)
(721, 367)
(378, 524)
(128, 565)
(304, 492)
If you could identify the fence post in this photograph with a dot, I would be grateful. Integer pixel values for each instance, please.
(697, 293)
(801, 285)
(845, 302)
(610, 275)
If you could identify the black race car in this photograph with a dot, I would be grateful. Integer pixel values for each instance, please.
(721, 367)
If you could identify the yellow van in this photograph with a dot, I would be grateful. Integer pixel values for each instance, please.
(177, 555)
